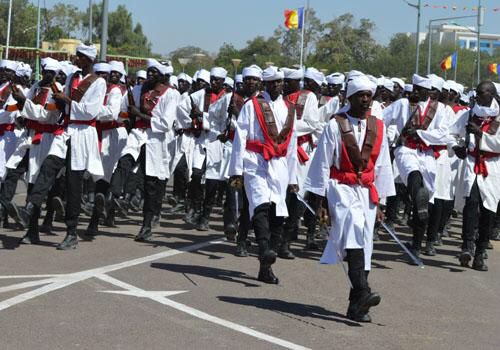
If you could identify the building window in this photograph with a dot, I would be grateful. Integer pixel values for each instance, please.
(472, 44)
(462, 44)
(485, 45)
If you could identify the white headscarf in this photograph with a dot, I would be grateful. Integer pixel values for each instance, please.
(272, 73)
(23, 70)
(185, 77)
(218, 72)
(335, 78)
(141, 74)
(314, 74)
(239, 78)
(483, 111)
(102, 67)
(118, 66)
(360, 83)
(9, 64)
(421, 81)
(48, 63)
(88, 50)
(252, 71)
(204, 75)
(295, 74)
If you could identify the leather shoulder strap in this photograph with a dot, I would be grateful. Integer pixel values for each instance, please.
(206, 100)
(272, 128)
(431, 113)
(349, 142)
(495, 124)
(301, 102)
(370, 139)
(82, 88)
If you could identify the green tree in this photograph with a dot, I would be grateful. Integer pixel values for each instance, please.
(61, 21)
(23, 23)
(206, 61)
(226, 53)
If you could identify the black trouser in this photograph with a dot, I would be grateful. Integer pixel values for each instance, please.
(393, 203)
(357, 274)
(436, 212)
(415, 183)
(196, 188)
(123, 170)
(154, 190)
(135, 181)
(46, 179)
(181, 174)
(9, 185)
(295, 211)
(476, 215)
(268, 227)
(230, 214)
(244, 224)
(447, 210)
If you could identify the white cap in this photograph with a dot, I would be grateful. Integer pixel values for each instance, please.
(295, 74)
(239, 78)
(272, 73)
(185, 77)
(436, 82)
(141, 74)
(218, 72)
(9, 64)
(360, 83)
(48, 63)
(229, 81)
(398, 81)
(421, 81)
(314, 74)
(335, 78)
(174, 81)
(408, 87)
(204, 75)
(88, 50)
(23, 70)
(102, 67)
(354, 73)
(252, 71)
(118, 66)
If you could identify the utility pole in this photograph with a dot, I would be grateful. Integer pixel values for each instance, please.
(104, 32)
(90, 21)
(37, 64)
(8, 30)
(480, 22)
(418, 7)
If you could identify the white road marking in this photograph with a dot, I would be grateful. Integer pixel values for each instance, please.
(27, 276)
(65, 280)
(161, 297)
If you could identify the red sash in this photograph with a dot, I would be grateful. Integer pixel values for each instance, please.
(40, 129)
(347, 174)
(6, 127)
(269, 148)
(480, 167)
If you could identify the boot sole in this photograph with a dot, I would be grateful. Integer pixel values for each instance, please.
(465, 259)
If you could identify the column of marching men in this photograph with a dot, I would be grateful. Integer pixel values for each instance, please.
(287, 147)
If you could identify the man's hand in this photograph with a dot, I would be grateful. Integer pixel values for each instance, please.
(222, 138)
(60, 96)
(236, 181)
(380, 215)
(473, 128)
(18, 96)
(461, 152)
(293, 188)
(411, 132)
(195, 112)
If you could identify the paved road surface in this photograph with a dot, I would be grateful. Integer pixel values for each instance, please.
(187, 290)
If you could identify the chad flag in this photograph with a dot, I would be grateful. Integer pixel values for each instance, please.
(294, 18)
(449, 62)
(493, 68)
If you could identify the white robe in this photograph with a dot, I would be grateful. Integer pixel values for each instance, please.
(409, 160)
(113, 141)
(156, 138)
(489, 187)
(265, 181)
(37, 152)
(8, 141)
(352, 213)
(327, 110)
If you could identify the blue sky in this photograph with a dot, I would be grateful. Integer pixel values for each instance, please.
(171, 24)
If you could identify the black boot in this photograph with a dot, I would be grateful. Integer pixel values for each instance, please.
(121, 206)
(310, 242)
(422, 203)
(230, 232)
(204, 220)
(70, 241)
(88, 205)
(358, 309)
(109, 220)
(145, 233)
(22, 215)
(33, 234)
(101, 205)
(284, 251)
(478, 263)
(93, 228)
(467, 252)
(268, 258)
(136, 201)
(429, 249)
(177, 205)
(46, 226)
(241, 249)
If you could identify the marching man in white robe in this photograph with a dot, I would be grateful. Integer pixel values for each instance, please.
(78, 150)
(264, 157)
(478, 142)
(352, 169)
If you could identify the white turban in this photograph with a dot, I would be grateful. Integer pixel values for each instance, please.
(218, 72)
(229, 81)
(398, 81)
(102, 67)
(272, 73)
(141, 74)
(67, 68)
(314, 74)
(118, 66)
(295, 74)
(436, 82)
(354, 73)
(23, 70)
(48, 63)
(166, 70)
(421, 81)
(497, 86)
(239, 78)
(252, 71)
(185, 77)
(372, 78)
(446, 86)
(460, 88)
(335, 78)
(9, 64)
(465, 98)
(408, 88)
(386, 83)
(174, 81)
(204, 75)
(360, 83)
(88, 50)
(153, 63)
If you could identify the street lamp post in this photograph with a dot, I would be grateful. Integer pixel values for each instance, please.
(198, 57)
(236, 62)
(8, 30)
(184, 62)
(418, 7)
(480, 22)
(104, 30)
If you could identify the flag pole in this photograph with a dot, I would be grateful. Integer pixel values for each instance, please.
(302, 35)
(456, 65)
